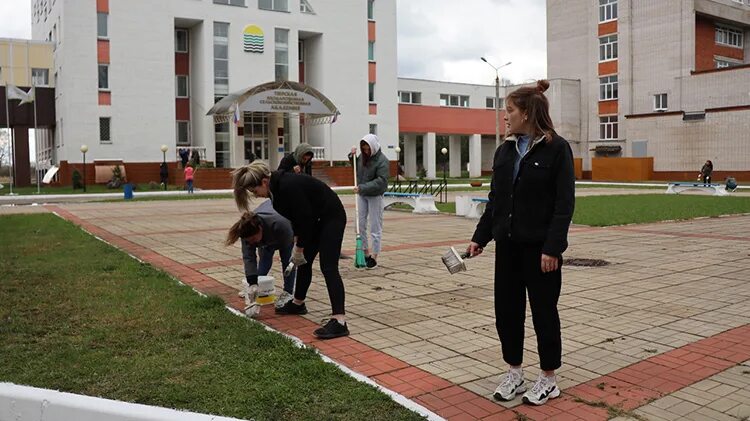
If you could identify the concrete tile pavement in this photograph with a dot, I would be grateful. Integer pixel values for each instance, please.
(626, 326)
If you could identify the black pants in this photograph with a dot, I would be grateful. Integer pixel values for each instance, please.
(328, 235)
(517, 270)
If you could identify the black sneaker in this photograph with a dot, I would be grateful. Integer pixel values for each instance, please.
(370, 262)
(291, 308)
(332, 329)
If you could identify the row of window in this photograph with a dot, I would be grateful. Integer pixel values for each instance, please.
(105, 131)
(446, 100)
(39, 77)
(274, 5)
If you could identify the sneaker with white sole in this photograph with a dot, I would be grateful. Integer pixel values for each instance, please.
(252, 308)
(511, 384)
(544, 389)
(283, 298)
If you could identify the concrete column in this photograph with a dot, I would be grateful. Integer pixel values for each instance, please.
(410, 155)
(428, 154)
(454, 152)
(475, 155)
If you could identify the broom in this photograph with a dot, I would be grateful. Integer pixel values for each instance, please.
(359, 254)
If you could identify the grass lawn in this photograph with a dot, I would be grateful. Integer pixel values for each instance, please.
(80, 316)
(91, 188)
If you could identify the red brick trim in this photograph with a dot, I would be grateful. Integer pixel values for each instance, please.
(659, 114)
(730, 108)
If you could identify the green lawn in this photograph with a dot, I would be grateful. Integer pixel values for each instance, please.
(92, 188)
(79, 316)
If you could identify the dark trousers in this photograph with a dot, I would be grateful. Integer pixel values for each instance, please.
(517, 270)
(328, 235)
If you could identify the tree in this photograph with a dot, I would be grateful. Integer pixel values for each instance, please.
(4, 152)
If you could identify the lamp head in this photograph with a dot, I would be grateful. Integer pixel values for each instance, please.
(444, 151)
(164, 148)
(84, 148)
(398, 149)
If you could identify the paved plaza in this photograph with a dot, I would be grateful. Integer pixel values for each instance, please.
(660, 332)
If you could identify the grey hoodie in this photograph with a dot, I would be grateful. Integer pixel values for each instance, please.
(277, 234)
(372, 178)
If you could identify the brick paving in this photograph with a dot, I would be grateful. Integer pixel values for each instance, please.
(667, 319)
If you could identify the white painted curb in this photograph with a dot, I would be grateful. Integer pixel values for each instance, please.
(24, 403)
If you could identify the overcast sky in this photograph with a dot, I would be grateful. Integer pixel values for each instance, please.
(437, 39)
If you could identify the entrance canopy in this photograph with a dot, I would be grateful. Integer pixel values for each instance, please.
(277, 97)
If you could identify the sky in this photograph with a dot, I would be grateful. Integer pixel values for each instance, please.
(437, 39)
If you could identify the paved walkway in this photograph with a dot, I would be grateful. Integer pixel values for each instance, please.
(662, 332)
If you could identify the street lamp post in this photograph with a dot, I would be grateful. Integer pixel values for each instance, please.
(398, 164)
(444, 151)
(164, 149)
(84, 149)
(497, 98)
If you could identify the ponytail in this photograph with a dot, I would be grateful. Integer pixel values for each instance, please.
(247, 226)
(246, 178)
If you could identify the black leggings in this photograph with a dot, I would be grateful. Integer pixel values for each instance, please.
(327, 238)
(517, 270)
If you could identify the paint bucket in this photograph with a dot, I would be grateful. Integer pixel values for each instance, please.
(266, 290)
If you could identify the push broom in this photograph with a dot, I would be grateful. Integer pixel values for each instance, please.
(359, 254)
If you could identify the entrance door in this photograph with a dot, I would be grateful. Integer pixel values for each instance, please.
(256, 136)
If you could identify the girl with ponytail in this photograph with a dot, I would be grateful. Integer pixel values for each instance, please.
(529, 211)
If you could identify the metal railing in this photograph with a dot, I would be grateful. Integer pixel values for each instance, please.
(437, 188)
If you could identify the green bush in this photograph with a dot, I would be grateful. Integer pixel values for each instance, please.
(77, 180)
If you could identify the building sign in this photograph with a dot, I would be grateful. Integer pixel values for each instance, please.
(253, 39)
(284, 101)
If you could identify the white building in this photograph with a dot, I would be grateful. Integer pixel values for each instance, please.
(133, 75)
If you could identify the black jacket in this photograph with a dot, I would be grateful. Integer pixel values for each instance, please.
(289, 162)
(304, 201)
(537, 208)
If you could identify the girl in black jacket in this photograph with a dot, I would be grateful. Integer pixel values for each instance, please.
(529, 211)
(318, 221)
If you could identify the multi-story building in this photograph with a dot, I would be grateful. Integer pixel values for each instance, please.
(133, 75)
(28, 65)
(667, 79)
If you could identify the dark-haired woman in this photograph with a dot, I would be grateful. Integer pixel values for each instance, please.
(318, 221)
(529, 211)
(706, 170)
(262, 232)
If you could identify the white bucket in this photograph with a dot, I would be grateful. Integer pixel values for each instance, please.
(266, 290)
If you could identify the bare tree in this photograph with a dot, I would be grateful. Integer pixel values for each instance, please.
(4, 148)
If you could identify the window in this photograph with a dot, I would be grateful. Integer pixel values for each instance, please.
(371, 9)
(282, 54)
(608, 127)
(607, 10)
(660, 102)
(221, 58)
(729, 36)
(371, 50)
(40, 77)
(102, 25)
(183, 90)
(183, 132)
(180, 41)
(230, 2)
(277, 5)
(104, 77)
(105, 135)
(221, 133)
(371, 92)
(490, 102)
(305, 7)
(608, 48)
(410, 97)
(454, 101)
(373, 129)
(607, 88)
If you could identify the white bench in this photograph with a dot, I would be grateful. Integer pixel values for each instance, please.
(422, 203)
(679, 187)
(476, 207)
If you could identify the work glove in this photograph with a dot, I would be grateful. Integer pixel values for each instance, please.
(298, 257)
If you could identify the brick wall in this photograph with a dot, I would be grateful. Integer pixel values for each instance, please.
(622, 169)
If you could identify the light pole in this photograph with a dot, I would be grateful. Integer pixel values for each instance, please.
(398, 163)
(444, 151)
(497, 98)
(164, 149)
(84, 149)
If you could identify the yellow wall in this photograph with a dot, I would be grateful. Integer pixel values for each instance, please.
(27, 54)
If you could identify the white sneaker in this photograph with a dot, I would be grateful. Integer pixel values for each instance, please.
(511, 384)
(544, 389)
(283, 298)
(252, 308)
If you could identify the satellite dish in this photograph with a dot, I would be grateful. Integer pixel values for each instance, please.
(50, 174)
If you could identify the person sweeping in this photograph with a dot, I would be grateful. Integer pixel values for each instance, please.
(318, 222)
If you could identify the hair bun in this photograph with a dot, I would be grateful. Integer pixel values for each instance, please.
(542, 85)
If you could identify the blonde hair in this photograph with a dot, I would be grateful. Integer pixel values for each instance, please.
(247, 226)
(246, 178)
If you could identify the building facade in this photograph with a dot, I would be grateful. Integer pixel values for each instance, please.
(134, 75)
(667, 79)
